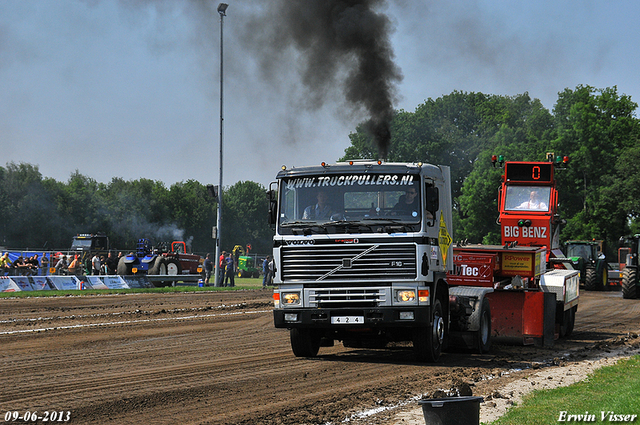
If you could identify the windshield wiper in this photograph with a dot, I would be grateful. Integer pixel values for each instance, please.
(299, 223)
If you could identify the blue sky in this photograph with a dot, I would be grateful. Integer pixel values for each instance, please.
(130, 89)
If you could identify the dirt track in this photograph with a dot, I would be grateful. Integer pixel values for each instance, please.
(215, 358)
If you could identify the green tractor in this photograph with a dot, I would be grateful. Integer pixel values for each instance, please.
(247, 266)
(245, 263)
(588, 258)
(630, 266)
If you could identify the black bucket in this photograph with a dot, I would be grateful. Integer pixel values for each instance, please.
(452, 410)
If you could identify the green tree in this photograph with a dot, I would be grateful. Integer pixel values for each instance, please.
(597, 128)
(192, 210)
(28, 209)
(244, 217)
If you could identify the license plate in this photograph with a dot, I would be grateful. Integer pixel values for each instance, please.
(347, 320)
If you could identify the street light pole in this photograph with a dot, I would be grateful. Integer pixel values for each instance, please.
(222, 8)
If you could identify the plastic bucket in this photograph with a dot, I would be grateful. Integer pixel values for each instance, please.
(452, 410)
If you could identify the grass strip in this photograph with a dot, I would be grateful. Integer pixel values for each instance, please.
(610, 390)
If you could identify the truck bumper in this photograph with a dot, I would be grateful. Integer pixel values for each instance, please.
(349, 319)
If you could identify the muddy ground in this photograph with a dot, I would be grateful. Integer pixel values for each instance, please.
(215, 358)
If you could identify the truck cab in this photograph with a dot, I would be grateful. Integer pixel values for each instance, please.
(361, 250)
(528, 205)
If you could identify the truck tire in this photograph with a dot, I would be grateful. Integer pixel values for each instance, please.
(630, 282)
(173, 267)
(428, 342)
(569, 321)
(591, 280)
(304, 342)
(123, 268)
(483, 335)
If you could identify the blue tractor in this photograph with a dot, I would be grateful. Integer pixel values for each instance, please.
(145, 260)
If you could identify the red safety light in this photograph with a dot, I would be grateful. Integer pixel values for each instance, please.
(379, 162)
(565, 159)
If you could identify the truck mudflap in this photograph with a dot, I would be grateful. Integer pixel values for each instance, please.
(523, 317)
(327, 318)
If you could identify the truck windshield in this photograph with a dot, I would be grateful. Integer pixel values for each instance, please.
(317, 202)
(578, 250)
(527, 198)
(81, 243)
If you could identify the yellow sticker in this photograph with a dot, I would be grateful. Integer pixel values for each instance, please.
(444, 239)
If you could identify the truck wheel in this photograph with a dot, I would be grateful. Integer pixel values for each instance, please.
(483, 335)
(123, 268)
(304, 342)
(256, 274)
(604, 276)
(173, 267)
(629, 282)
(427, 342)
(591, 282)
(569, 321)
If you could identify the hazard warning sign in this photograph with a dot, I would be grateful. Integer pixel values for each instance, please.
(444, 239)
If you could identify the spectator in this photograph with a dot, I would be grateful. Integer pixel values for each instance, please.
(33, 265)
(95, 265)
(271, 271)
(21, 266)
(208, 268)
(230, 271)
(44, 264)
(266, 271)
(221, 265)
(61, 265)
(75, 267)
(5, 265)
(112, 264)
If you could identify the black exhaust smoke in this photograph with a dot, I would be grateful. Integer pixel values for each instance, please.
(341, 42)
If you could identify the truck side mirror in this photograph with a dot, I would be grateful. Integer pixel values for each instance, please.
(273, 206)
(433, 199)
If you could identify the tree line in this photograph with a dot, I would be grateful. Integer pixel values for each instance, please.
(599, 192)
(43, 214)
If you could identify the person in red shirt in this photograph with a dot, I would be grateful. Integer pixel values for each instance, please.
(221, 265)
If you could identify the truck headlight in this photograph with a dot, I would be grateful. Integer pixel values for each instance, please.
(290, 298)
(406, 296)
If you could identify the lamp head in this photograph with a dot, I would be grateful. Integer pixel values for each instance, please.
(222, 8)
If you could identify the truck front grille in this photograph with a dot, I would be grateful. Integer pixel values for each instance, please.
(347, 297)
(363, 262)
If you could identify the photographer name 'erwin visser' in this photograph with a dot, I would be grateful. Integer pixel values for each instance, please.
(604, 416)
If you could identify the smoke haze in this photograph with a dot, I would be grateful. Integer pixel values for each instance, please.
(340, 45)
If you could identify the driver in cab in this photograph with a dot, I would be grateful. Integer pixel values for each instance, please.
(320, 210)
(408, 203)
